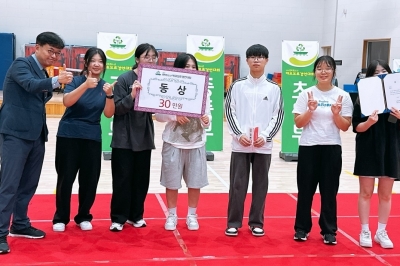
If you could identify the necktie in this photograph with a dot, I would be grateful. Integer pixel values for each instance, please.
(47, 76)
(45, 73)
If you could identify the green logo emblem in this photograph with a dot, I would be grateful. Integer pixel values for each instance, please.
(206, 45)
(158, 73)
(300, 50)
(117, 43)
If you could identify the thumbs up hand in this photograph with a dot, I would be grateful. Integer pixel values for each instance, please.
(91, 82)
(64, 77)
(108, 88)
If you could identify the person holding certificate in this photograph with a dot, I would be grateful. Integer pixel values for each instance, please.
(132, 142)
(184, 155)
(322, 111)
(254, 112)
(78, 147)
(377, 156)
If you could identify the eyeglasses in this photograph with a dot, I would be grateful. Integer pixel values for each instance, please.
(254, 58)
(149, 58)
(52, 52)
(328, 70)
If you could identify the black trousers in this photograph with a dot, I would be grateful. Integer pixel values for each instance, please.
(21, 167)
(73, 155)
(320, 164)
(239, 182)
(131, 178)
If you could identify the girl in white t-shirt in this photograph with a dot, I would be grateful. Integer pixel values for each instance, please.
(322, 111)
(184, 156)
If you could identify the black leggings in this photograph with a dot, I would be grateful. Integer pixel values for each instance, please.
(73, 155)
(320, 164)
(131, 178)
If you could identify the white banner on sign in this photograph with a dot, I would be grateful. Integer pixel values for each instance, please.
(174, 91)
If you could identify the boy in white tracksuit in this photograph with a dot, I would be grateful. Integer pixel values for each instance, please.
(254, 111)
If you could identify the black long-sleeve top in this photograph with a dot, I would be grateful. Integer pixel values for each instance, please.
(131, 129)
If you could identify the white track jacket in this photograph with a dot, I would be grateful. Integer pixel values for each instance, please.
(254, 103)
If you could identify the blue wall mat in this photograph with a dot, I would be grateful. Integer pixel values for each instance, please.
(7, 54)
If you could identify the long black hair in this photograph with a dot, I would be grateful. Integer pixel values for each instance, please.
(373, 65)
(182, 59)
(92, 51)
(143, 48)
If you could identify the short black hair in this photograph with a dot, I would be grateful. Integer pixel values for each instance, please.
(141, 49)
(92, 51)
(257, 50)
(182, 59)
(372, 67)
(327, 60)
(51, 39)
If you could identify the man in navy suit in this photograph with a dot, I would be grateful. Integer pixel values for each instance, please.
(23, 130)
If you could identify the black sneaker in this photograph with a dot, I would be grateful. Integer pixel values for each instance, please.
(330, 239)
(300, 235)
(231, 231)
(30, 232)
(4, 248)
(256, 231)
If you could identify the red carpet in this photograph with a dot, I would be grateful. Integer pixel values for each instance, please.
(208, 246)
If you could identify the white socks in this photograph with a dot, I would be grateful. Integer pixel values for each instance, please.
(365, 227)
(381, 227)
(191, 210)
(172, 210)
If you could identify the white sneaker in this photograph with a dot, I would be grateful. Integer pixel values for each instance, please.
(85, 226)
(171, 222)
(116, 227)
(59, 227)
(365, 239)
(137, 224)
(192, 223)
(382, 238)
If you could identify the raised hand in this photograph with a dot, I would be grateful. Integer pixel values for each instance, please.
(64, 77)
(135, 87)
(337, 107)
(311, 103)
(395, 112)
(108, 88)
(373, 118)
(91, 82)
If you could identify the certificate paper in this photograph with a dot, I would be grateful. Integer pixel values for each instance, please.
(379, 93)
(392, 90)
(169, 90)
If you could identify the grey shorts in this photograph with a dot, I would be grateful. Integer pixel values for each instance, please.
(191, 164)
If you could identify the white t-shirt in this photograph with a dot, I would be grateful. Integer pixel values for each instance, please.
(322, 130)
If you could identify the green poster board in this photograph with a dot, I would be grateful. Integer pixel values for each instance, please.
(120, 51)
(209, 53)
(298, 59)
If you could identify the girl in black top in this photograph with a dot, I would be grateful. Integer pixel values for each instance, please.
(132, 142)
(377, 156)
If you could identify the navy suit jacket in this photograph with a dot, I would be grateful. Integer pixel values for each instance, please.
(25, 93)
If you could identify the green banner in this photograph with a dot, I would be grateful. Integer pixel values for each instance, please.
(298, 59)
(120, 52)
(209, 53)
